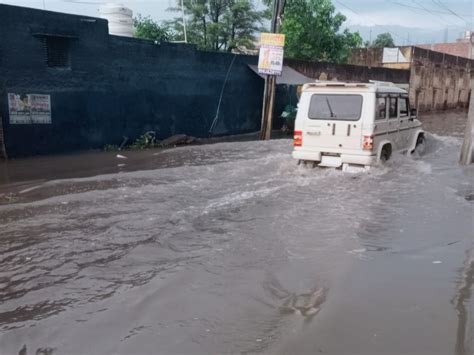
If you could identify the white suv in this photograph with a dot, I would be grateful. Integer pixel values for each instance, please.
(343, 124)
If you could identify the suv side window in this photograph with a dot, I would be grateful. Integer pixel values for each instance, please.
(392, 108)
(381, 108)
(404, 107)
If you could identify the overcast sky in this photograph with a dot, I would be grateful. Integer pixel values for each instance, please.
(427, 19)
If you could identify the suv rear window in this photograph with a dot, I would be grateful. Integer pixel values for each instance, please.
(335, 107)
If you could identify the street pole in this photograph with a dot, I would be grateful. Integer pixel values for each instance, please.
(184, 22)
(466, 149)
(270, 80)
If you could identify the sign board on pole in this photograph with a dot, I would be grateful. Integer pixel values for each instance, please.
(270, 59)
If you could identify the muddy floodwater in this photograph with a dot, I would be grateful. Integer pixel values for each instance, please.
(232, 248)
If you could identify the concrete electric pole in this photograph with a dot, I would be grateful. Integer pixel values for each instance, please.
(466, 150)
(270, 80)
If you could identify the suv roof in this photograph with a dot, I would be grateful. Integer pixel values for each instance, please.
(372, 86)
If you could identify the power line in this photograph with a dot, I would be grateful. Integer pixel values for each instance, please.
(440, 4)
(386, 28)
(431, 13)
(419, 8)
(412, 7)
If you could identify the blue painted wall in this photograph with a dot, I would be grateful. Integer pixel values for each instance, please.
(117, 86)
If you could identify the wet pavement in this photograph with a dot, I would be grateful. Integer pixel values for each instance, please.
(232, 248)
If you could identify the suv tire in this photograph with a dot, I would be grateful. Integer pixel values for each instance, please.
(386, 153)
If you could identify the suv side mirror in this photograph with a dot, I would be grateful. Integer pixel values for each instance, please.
(413, 112)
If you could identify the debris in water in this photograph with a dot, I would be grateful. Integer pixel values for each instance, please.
(307, 304)
(177, 139)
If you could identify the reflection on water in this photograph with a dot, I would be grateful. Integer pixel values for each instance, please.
(465, 331)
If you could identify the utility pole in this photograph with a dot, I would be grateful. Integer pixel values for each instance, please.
(270, 80)
(466, 149)
(184, 22)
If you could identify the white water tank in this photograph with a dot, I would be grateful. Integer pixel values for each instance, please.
(120, 19)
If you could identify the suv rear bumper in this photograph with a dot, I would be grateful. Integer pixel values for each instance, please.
(358, 159)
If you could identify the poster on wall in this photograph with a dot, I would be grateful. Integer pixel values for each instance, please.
(29, 109)
(270, 59)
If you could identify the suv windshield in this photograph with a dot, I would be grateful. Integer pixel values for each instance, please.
(335, 107)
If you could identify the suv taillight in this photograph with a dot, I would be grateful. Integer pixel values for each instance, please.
(298, 139)
(368, 143)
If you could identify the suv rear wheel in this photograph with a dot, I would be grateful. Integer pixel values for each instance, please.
(385, 153)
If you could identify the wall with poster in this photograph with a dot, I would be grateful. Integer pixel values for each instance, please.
(29, 109)
(66, 84)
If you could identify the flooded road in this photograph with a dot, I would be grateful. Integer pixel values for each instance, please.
(232, 248)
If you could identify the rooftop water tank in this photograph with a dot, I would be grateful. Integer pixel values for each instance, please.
(120, 19)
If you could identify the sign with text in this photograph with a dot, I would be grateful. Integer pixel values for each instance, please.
(270, 59)
(29, 108)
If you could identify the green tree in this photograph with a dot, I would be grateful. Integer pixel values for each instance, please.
(313, 32)
(383, 40)
(146, 28)
(218, 24)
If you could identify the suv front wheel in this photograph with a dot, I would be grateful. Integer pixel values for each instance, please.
(420, 140)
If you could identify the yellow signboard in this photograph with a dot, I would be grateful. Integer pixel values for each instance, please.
(272, 39)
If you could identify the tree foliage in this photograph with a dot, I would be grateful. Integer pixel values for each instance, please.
(312, 27)
(218, 24)
(146, 28)
(313, 31)
(383, 40)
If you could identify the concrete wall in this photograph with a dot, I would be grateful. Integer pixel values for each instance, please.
(348, 72)
(373, 57)
(117, 86)
(438, 81)
(370, 57)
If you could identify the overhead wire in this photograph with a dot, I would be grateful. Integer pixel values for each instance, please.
(414, 7)
(435, 13)
(440, 4)
(432, 13)
(384, 27)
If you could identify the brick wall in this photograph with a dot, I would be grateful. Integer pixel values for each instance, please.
(459, 49)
